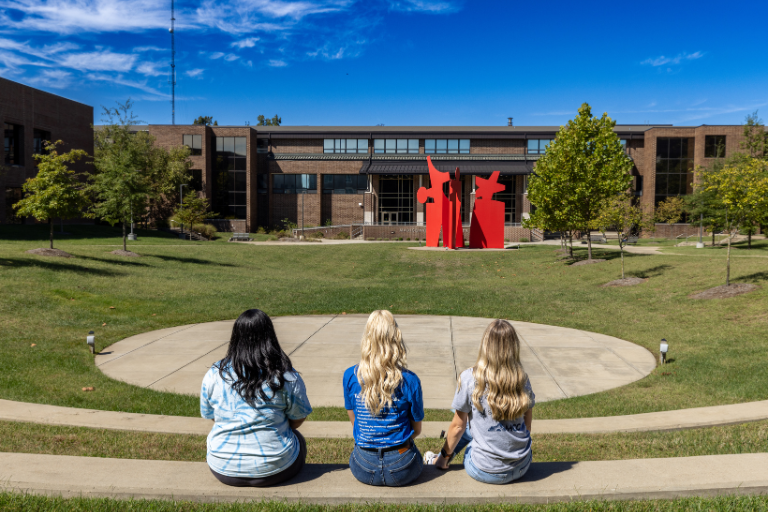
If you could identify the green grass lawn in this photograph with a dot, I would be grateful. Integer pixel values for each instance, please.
(717, 349)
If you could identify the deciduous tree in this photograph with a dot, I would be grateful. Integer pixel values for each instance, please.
(670, 210)
(275, 121)
(56, 191)
(755, 137)
(205, 121)
(622, 214)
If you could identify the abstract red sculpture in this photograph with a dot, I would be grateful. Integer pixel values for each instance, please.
(487, 227)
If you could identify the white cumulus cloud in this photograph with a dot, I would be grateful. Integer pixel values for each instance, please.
(680, 57)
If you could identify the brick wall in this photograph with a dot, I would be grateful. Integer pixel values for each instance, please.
(297, 146)
(343, 208)
(497, 147)
(66, 120)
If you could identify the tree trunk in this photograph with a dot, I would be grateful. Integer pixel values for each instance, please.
(570, 240)
(713, 237)
(125, 248)
(728, 262)
(621, 249)
(749, 239)
(50, 223)
(589, 246)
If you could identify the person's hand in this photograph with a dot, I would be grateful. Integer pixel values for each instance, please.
(441, 462)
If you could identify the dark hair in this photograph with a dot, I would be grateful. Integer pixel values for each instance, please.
(255, 357)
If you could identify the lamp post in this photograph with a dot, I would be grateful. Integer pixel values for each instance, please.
(181, 210)
(663, 348)
(700, 244)
(91, 341)
(131, 235)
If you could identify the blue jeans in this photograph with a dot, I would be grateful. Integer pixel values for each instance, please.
(519, 469)
(392, 468)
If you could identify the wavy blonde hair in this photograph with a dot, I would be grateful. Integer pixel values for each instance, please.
(382, 361)
(499, 375)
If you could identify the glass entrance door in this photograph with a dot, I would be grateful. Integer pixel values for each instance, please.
(389, 218)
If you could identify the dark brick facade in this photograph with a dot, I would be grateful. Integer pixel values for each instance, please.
(32, 109)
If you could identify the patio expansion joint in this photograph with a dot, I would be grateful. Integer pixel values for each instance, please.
(546, 368)
(453, 350)
(147, 344)
(189, 363)
(310, 336)
(609, 349)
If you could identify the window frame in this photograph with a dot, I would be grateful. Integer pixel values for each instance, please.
(341, 146)
(447, 146)
(712, 146)
(194, 142)
(13, 155)
(280, 180)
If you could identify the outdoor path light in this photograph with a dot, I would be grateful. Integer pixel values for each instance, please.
(91, 341)
(663, 348)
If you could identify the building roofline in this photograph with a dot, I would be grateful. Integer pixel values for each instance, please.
(46, 92)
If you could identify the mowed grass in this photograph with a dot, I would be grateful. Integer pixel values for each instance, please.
(85, 442)
(717, 348)
(11, 502)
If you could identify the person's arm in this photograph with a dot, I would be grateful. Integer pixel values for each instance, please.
(351, 415)
(294, 424)
(416, 426)
(452, 437)
(528, 419)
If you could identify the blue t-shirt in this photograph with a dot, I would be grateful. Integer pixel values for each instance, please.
(252, 442)
(393, 424)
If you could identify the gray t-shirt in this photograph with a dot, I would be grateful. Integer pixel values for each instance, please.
(496, 445)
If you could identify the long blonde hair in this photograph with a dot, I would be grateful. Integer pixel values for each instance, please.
(499, 375)
(382, 361)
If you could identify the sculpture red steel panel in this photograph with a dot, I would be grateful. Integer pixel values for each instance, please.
(487, 227)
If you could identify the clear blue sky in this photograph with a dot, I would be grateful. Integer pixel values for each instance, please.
(397, 62)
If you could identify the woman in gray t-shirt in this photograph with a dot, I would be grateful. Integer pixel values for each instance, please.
(496, 400)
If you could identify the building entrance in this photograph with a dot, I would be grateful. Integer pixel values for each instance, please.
(396, 201)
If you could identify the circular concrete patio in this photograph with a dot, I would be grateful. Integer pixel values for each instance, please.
(561, 362)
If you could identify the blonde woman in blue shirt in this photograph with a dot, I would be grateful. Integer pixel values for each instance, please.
(257, 401)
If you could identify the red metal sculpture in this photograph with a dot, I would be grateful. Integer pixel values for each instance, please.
(487, 227)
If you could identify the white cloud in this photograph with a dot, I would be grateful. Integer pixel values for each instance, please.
(275, 63)
(230, 57)
(194, 73)
(121, 80)
(423, 6)
(249, 42)
(150, 49)
(153, 68)
(52, 78)
(663, 61)
(99, 61)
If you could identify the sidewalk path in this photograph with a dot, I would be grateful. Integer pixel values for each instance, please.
(546, 482)
(653, 421)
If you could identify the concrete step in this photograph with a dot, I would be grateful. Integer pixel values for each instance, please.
(654, 421)
(334, 484)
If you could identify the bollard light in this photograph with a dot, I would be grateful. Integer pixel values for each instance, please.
(91, 341)
(663, 348)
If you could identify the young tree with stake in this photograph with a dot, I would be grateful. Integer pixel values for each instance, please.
(621, 214)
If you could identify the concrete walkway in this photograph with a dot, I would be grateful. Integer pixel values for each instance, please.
(654, 421)
(561, 362)
(545, 482)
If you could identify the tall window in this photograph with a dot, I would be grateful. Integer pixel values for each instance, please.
(345, 183)
(195, 143)
(401, 146)
(196, 182)
(262, 145)
(231, 176)
(14, 137)
(345, 145)
(714, 146)
(508, 197)
(396, 199)
(446, 146)
(294, 183)
(538, 146)
(262, 183)
(12, 196)
(674, 166)
(39, 138)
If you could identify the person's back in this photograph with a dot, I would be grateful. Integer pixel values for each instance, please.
(384, 403)
(257, 401)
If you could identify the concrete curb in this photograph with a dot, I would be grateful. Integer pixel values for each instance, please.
(680, 419)
(710, 475)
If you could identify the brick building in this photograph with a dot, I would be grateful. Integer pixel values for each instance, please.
(369, 175)
(29, 118)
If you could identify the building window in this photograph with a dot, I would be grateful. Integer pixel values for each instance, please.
(294, 183)
(195, 144)
(402, 146)
(345, 183)
(446, 146)
(230, 196)
(196, 183)
(345, 145)
(638, 186)
(508, 197)
(714, 146)
(12, 196)
(538, 146)
(39, 138)
(396, 199)
(674, 167)
(262, 183)
(262, 145)
(14, 137)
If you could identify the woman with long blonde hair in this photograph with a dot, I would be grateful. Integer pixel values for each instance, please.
(384, 402)
(495, 398)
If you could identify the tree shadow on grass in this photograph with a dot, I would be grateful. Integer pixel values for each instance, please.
(195, 261)
(752, 278)
(117, 259)
(651, 272)
(10, 263)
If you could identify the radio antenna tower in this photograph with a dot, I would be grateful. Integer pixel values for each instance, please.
(173, 66)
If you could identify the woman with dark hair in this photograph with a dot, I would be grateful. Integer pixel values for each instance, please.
(257, 401)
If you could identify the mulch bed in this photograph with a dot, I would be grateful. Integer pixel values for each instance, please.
(587, 262)
(629, 281)
(49, 252)
(121, 252)
(725, 292)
